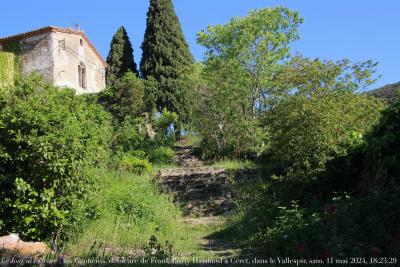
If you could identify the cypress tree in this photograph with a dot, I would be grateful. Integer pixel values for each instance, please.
(120, 58)
(165, 54)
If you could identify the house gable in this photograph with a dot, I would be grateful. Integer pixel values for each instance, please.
(65, 58)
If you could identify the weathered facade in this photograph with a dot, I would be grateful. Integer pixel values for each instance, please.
(65, 58)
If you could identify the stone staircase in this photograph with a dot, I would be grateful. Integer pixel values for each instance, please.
(198, 189)
(187, 156)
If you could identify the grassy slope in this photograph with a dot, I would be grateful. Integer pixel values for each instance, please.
(130, 210)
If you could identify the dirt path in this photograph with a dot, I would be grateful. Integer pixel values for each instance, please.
(211, 245)
(204, 195)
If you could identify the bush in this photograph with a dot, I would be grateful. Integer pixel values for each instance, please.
(135, 165)
(130, 135)
(48, 139)
(133, 134)
(124, 98)
(307, 132)
(275, 221)
(382, 163)
(162, 155)
(162, 125)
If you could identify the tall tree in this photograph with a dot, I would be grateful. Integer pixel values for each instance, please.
(242, 59)
(120, 58)
(165, 55)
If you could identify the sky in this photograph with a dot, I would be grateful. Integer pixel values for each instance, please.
(333, 29)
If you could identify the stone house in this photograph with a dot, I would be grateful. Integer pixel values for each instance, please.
(65, 57)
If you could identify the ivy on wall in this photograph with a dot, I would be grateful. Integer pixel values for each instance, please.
(9, 63)
(7, 69)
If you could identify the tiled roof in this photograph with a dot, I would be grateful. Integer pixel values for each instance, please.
(52, 29)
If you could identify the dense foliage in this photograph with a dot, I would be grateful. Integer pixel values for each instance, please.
(165, 55)
(322, 117)
(382, 161)
(146, 138)
(308, 122)
(340, 226)
(48, 139)
(120, 58)
(124, 98)
(331, 154)
(242, 59)
(135, 165)
(292, 217)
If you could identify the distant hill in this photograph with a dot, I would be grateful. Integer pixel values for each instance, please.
(389, 93)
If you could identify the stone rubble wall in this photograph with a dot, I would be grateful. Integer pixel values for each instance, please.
(204, 190)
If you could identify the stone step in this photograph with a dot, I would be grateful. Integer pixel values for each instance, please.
(184, 147)
(190, 171)
(210, 207)
(205, 178)
(198, 189)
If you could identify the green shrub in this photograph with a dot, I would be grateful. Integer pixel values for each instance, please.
(130, 135)
(307, 132)
(124, 98)
(162, 123)
(162, 155)
(49, 138)
(382, 163)
(138, 154)
(272, 223)
(135, 165)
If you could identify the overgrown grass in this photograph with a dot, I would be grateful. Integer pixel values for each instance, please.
(271, 222)
(236, 164)
(127, 211)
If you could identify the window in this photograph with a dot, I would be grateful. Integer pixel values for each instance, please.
(81, 42)
(82, 75)
(61, 44)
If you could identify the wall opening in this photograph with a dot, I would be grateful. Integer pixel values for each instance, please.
(82, 76)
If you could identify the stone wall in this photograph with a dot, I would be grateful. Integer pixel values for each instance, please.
(36, 55)
(206, 190)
